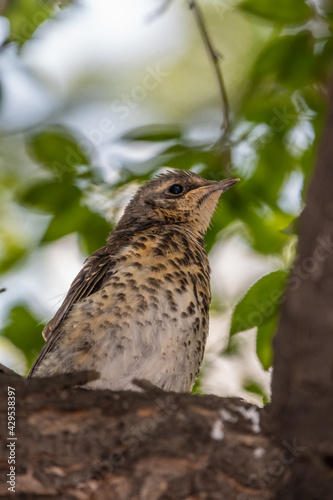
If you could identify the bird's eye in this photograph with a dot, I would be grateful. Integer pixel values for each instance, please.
(176, 189)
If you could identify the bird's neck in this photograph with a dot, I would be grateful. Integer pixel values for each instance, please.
(130, 233)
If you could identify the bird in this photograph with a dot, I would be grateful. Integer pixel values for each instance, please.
(139, 308)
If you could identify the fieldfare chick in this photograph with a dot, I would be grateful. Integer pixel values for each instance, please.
(139, 307)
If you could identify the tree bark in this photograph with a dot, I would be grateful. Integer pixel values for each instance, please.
(78, 444)
(151, 445)
(302, 387)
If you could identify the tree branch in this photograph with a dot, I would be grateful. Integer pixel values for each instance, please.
(81, 444)
(215, 57)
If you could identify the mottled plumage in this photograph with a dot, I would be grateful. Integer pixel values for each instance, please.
(139, 308)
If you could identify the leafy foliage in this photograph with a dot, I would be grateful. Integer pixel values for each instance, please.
(255, 388)
(260, 302)
(278, 11)
(259, 307)
(25, 16)
(24, 331)
(159, 133)
(57, 150)
(278, 113)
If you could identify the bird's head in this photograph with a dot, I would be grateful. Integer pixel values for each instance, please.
(177, 197)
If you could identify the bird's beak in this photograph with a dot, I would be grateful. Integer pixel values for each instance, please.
(218, 186)
(224, 185)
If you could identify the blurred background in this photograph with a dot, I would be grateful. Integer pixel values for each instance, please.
(99, 96)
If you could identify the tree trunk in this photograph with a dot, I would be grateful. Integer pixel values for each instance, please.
(75, 444)
(302, 387)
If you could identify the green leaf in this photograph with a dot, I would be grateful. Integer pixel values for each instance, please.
(267, 102)
(197, 388)
(153, 133)
(264, 232)
(273, 164)
(255, 388)
(293, 227)
(274, 60)
(63, 223)
(58, 150)
(50, 196)
(24, 331)
(259, 307)
(232, 349)
(12, 255)
(93, 228)
(278, 11)
(25, 16)
(265, 335)
(260, 302)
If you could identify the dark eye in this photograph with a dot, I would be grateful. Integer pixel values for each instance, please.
(176, 189)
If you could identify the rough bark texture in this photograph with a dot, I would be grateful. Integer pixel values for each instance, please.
(77, 444)
(73, 443)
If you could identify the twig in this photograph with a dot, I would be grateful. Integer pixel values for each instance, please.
(160, 10)
(65, 379)
(215, 57)
(3, 5)
(147, 386)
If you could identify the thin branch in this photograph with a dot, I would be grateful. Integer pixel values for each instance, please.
(160, 10)
(3, 5)
(215, 57)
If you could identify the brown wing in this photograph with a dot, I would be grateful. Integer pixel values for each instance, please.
(89, 280)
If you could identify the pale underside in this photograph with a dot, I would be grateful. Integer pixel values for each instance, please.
(136, 326)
